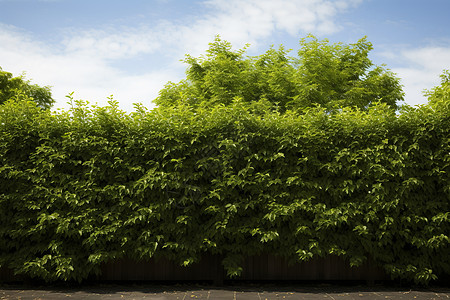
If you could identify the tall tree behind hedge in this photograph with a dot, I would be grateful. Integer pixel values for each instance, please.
(440, 92)
(331, 75)
(20, 88)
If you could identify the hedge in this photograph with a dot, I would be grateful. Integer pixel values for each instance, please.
(91, 185)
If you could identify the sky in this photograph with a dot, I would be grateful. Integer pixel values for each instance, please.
(131, 48)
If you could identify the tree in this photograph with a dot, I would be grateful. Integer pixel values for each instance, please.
(330, 75)
(20, 88)
(440, 92)
(343, 75)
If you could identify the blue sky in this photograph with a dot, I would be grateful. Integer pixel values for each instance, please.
(131, 48)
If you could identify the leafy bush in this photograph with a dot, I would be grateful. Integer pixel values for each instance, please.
(92, 185)
(330, 75)
(20, 88)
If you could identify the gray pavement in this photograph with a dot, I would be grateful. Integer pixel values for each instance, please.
(191, 292)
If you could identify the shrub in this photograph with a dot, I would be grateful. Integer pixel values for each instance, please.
(91, 185)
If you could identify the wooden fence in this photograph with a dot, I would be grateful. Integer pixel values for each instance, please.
(257, 268)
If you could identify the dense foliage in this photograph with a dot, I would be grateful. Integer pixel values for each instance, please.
(87, 186)
(20, 88)
(329, 75)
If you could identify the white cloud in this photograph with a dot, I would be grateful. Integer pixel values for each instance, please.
(82, 63)
(109, 44)
(423, 67)
(86, 61)
(248, 21)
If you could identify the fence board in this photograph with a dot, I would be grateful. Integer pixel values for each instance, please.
(256, 268)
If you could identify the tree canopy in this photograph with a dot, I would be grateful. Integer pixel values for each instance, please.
(325, 74)
(20, 88)
(442, 91)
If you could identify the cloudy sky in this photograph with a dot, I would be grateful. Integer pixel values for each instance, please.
(131, 48)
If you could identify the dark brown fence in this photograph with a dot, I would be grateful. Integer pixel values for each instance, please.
(7, 275)
(257, 268)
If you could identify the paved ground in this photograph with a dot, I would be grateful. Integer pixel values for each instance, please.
(185, 292)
